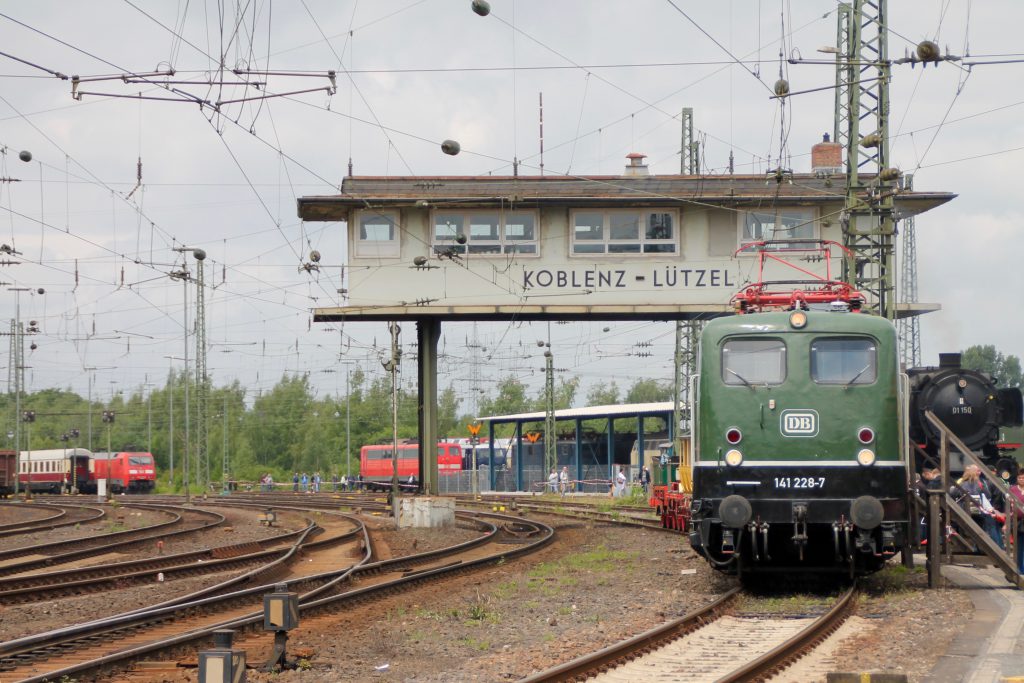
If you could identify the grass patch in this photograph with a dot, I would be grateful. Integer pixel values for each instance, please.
(548, 579)
(894, 578)
(481, 645)
(480, 611)
(506, 589)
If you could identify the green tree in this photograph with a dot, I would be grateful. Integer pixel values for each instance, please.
(276, 421)
(565, 394)
(509, 400)
(649, 391)
(603, 395)
(1005, 370)
(448, 423)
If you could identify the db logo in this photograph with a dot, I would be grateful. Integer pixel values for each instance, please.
(799, 422)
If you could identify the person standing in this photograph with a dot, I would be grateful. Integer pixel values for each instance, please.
(645, 479)
(978, 503)
(305, 482)
(295, 482)
(563, 481)
(1017, 498)
(620, 483)
(553, 480)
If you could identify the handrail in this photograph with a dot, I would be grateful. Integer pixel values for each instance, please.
(1006, 557)
(947, 435)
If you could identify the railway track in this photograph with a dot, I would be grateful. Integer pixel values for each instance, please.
(54, 516)
(631, 515)
(39, 587)
(112, 642)
(180, 521)
(709, 644)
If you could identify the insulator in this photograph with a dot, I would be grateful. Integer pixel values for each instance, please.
(481, 7)
(40, 291)
(25, 155)
(872, 140)
(782, 87)
(928, 51)
(314, 256)
(33, 346)
(451, 147)
(889, 174)
(460, 238)
(420, 261)
(199, 254)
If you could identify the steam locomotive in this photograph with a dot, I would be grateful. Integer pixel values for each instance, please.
(970, 404)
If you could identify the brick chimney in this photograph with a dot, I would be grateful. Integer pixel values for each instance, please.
(827, 158)
(636, 166)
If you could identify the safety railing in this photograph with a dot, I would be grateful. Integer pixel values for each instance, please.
(1005, 557)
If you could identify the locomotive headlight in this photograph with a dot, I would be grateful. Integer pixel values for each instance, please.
(866, 456)
(733, 458)
(797, 320)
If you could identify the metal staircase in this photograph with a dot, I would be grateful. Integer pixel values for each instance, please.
(942, 506)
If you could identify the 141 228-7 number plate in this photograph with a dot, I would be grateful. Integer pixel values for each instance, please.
(799, 482)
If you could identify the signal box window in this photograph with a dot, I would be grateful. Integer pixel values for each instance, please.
(643, 231)
(844, 361)
(378, 235)
(487, 233)
(753, 361)
(776, 227)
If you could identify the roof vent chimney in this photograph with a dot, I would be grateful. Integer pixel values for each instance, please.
(827, 157)
(636, 166)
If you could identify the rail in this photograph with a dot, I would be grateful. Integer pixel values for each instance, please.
(782, 656)
(311, 601)
(582, 666)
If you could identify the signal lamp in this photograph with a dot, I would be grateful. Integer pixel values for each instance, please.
(797, 320)
(733, 458)
(866, 456)
(866, 435)
(733, 435)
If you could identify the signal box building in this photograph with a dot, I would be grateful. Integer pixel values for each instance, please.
(635, 246)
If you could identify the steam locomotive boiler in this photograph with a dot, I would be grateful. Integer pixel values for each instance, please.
(969, 403)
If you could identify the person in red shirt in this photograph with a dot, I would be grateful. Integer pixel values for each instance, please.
(1017, 498)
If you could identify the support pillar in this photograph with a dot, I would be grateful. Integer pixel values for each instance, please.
(934, 539)
(610, 441)
(428, 332)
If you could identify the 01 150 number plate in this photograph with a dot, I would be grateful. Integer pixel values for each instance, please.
(799, 482)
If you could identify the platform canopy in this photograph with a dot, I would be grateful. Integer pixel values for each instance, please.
(588, 413)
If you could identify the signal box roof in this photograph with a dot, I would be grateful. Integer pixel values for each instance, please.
(359, 192)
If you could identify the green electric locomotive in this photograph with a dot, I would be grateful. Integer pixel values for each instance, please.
(800, 450)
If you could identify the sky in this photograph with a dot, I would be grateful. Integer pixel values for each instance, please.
(409, 74)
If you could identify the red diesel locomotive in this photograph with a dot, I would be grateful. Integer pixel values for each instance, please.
(126, 471)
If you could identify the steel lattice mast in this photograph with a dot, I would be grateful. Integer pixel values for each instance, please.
(202, 378)
(687, 331)
(909, 327)
(862, 99)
